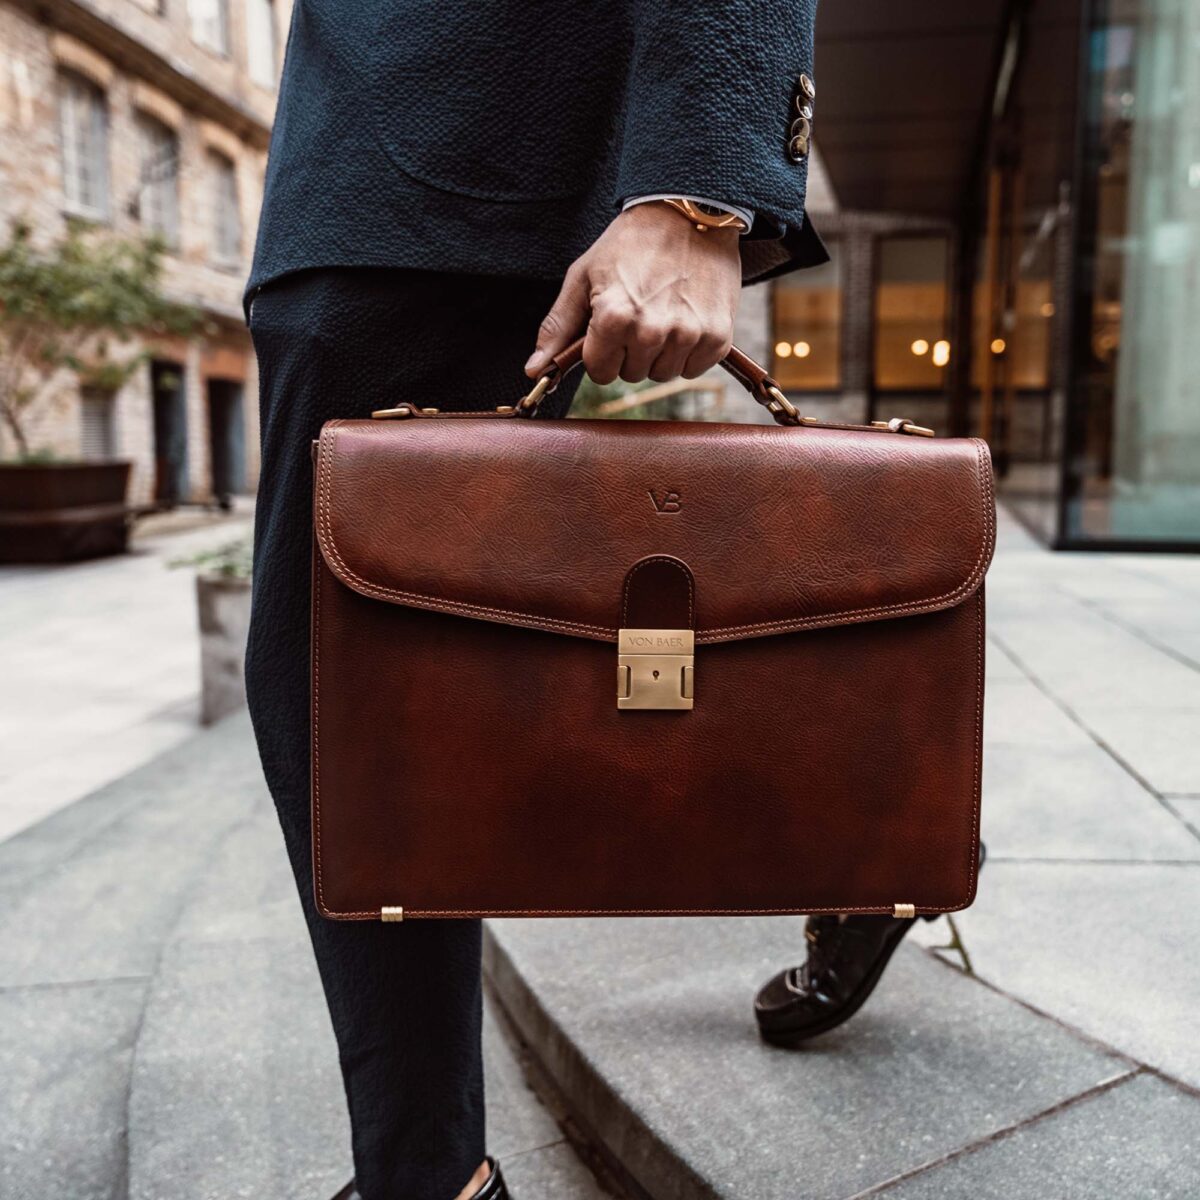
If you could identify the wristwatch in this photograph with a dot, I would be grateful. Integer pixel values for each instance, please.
(706, 216)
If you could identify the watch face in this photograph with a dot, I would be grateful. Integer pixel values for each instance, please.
(707, 216)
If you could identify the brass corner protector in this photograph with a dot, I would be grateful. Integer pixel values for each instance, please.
(391, 912)
(904, 910)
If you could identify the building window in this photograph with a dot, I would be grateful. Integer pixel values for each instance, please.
(83, 121)
(261, 41)
(158, 194)
(210, 23)
(1133, 424)
(807, 328)
(98, 425)
(226, 218)
(911, 348)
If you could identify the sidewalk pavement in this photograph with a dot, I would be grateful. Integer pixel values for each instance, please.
(162, 1031)
(162, 1035)
(101, 664)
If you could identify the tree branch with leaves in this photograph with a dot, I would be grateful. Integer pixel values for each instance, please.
(78, 306)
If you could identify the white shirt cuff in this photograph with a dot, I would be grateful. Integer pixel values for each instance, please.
(746, 214)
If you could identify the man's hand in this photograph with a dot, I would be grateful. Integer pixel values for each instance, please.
(657, 298)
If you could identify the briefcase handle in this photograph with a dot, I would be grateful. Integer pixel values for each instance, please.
(741, 366)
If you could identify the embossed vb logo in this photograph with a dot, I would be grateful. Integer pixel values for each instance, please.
(666, 502)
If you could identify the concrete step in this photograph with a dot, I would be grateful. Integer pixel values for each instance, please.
(162, 1029)
(646, 1028)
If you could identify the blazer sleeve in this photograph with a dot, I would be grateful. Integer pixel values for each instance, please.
(713, 91)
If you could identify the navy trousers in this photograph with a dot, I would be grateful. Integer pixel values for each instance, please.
(405, 999)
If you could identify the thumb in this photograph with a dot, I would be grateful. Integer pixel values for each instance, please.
(562, 324)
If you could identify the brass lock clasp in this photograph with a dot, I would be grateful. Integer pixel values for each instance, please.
(655, 668)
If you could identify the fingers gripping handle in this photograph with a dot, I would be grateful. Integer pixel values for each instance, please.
(741, 366)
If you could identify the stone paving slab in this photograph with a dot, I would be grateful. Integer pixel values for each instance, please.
(1188, 807)
(1164, 748)
(550, 1173)
(1074, 651)
(235, 1090)
(96, 902)
(1135, 695)
(1108, 948)
(101, 670)
(1051, 791)
(1139, 1140)
(650, 1033)
(64, 1081)
(1169, 621)
(1075, 802)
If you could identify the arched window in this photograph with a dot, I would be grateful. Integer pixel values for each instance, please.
(158, 178)
(227, 219)
(83, 129)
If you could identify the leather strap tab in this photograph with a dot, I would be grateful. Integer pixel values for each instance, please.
(659, 593)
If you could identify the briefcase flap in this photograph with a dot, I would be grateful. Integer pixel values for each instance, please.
(536, 523)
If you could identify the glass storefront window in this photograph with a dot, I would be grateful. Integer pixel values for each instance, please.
(1134, 462)
(911, 347)
(807, 328)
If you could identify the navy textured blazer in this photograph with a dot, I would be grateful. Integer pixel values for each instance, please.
(501, 136)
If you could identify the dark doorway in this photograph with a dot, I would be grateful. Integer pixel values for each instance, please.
(226, 439)
(170, 432)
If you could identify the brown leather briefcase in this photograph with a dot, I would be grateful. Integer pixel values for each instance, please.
(602, 667)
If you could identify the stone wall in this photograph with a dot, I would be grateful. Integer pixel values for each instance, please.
(145, 61)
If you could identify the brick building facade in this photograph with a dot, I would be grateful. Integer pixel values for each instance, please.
(150, 116)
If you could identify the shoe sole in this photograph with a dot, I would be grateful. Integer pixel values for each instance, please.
(789, 1039)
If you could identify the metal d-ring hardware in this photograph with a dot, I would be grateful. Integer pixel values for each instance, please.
(782, 409)
(402, 410)
(903, 425)
(529, 402)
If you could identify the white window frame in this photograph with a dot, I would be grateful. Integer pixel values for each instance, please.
(262, 42)
(209, 23)
(226, 227)
(84, 145)
(158, 177)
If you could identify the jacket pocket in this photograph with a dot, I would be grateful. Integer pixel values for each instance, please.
(501, 100)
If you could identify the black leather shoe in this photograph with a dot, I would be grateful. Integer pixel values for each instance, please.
(846, 959)
(493, 1187)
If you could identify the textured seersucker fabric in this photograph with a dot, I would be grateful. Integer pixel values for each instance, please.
(500, 136)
